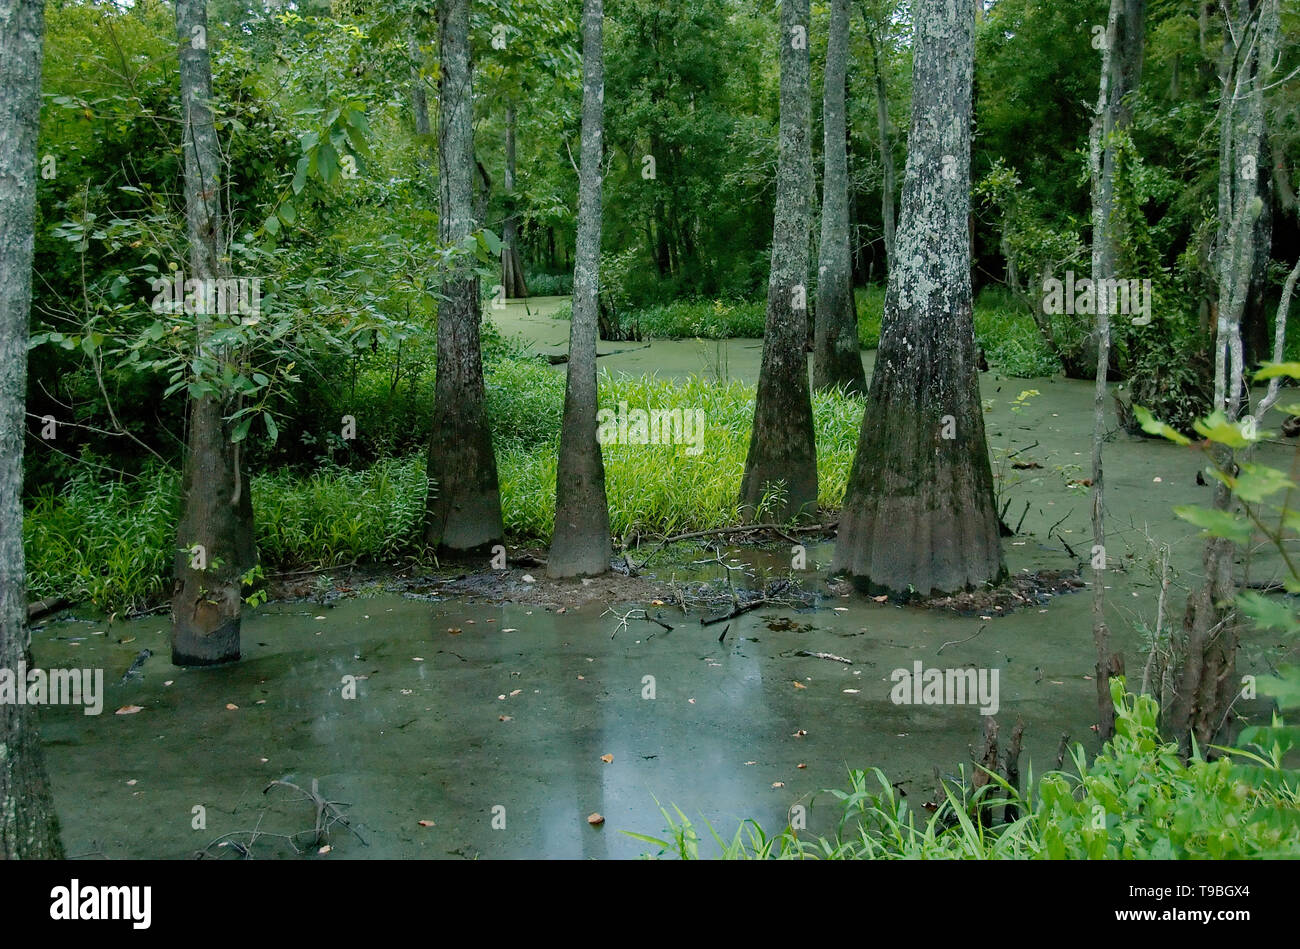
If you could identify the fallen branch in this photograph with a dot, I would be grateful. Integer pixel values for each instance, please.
(47, 606)
(327, 812)
(824, 655)
(958, 642)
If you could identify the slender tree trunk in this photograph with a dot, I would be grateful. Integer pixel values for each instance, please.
(29, 828)
(420, 104)
(512, 271)
(463, 512)
(1111, 114)
(919, 512)
(580, 545)
(214, 540)
(781, 449)
(1123, 66)
(837, 350)
(1206, 674)
(889, 184)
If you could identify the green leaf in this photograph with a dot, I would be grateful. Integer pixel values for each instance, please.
(1217, 428)
(241, 430)
(1268, 613)
(1153, 427)
(1270, 370)
(309, 141)
(300, 174)
(327, 163)
(1256, 482)
(272, 225)
(1286, 688)
(271, 427)
(287, 213)
(491, 241)
(1217, 523)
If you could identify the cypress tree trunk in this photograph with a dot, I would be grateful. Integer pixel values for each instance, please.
(837, 351)
(29, 828)
(463, 511)
(580, 545)
(919, 512)
(781, 446)
(512, 270)
(214, 540)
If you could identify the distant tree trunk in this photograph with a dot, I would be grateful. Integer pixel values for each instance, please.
(419, 105)
(580, 545)
(1122, 60)
(463, 512)
(29, 828)
(919, 512)
(781, 445)
(889, 184)
(512, 271)
(837, 350)
(214, 540)
(1103, 164)
(1206, 664)
(482, 191)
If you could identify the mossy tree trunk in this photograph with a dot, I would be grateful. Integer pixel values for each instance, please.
(780, 480)
(919, 512)
(581, 545)
(29, 828)
(463, 512)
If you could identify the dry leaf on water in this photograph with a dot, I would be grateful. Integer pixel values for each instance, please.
(232, 707)
(595, 820)
(426, 823)
(800, 685)
(778, 784)
(608, 759)
(130, 709)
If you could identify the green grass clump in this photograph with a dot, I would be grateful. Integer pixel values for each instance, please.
(338, 516)
(107, 542)
(1012, 341)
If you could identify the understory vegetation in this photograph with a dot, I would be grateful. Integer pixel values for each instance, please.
(107, 540)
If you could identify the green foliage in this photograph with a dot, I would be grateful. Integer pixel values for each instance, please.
(109, 542)
(1136, 800)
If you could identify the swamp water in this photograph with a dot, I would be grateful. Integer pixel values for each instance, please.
(490, 722)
